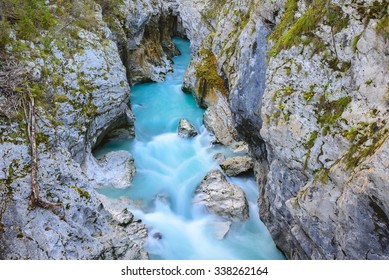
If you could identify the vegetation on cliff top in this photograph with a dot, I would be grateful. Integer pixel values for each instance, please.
(293, 30)
(29, 30)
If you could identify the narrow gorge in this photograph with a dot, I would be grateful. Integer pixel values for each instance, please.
(295, 90)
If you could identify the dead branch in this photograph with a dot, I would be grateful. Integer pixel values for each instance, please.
(14, 89)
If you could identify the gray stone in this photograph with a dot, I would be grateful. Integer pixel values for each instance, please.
(221, 197)
(237, 165)
(186, 129)
(217, 119)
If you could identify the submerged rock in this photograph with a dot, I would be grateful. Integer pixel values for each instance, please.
(157, 236)
(186, 129)
(237, 165)
(219, 157)
(115, 169)
(221, 197)
(221, 229)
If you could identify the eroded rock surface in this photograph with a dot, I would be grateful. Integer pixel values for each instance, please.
(186, 129)
(237, 165)
(221, 197)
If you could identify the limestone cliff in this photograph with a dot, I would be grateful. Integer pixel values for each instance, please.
(143, 31)
(306, 84)
(64, 56)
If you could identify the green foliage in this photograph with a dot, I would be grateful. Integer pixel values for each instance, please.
(5, 29)
(293, 31)
(289, 31)
(60, 98)
(213, 10)
(335, 64)
(89, 109)
(28, 17)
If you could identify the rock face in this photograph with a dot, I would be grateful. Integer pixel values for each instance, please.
(186, 129)
(311, 101)
(115, 169)
(85, 96)
(324, 131)
(221, 197)
(237, 165)
(143, 31)
(217, 119)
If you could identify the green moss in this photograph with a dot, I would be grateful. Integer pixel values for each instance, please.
(57, 80)
(382, 27)
(311, 141)
(89, 109)
(290, 31)
(336, 18)
(213, 9)
(355, 41)
(60, 98)
(287, 20)
(365, 139)
(81, 192)
(42, 139)
(309, 145)
(28, 17)
(207, 71)
(281, 106)
(335, 64)
(328, 112)
(5, 29)
(307, 95)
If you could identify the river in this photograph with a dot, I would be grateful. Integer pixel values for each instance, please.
(170, 168)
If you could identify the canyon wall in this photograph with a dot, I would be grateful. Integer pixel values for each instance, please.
(79, 67)
(306, 83)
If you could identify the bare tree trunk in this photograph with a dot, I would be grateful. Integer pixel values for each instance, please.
(34, 154)
(35, 199)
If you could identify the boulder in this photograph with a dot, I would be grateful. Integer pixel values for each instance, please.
(221, 197)
(186, 129)
(237, 165)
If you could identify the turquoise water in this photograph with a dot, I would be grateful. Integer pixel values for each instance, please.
(169, 169)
